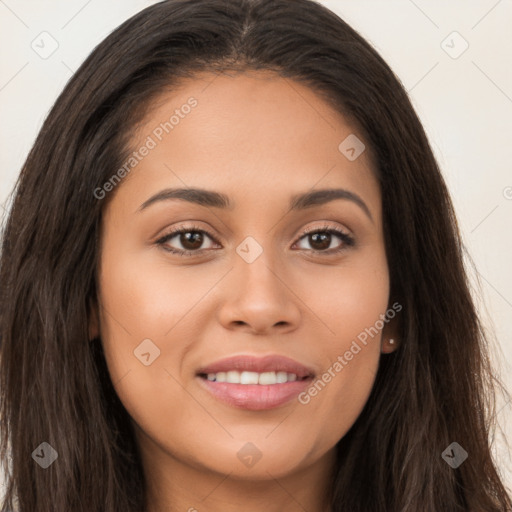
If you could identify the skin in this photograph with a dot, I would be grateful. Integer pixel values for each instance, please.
(259, 139)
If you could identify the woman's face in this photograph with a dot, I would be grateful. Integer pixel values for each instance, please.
(253, 284)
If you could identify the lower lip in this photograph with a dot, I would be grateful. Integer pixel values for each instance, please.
(255, 397)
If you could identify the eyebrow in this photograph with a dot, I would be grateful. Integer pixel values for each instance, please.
(213, 199)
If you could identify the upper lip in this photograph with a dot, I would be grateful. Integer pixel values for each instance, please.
(270, 363)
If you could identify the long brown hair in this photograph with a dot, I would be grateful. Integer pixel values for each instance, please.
(437, 388)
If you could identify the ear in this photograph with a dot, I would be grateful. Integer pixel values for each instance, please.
(94, 327)
(390, 340)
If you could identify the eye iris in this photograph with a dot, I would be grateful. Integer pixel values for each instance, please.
(191, 240)
(325, 241)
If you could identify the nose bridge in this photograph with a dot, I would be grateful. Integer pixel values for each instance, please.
(258, 299)
(255, 265)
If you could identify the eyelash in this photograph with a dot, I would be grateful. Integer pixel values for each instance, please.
(348, 241)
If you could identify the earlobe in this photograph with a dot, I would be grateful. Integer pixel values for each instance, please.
(389, 345)
(390, 338)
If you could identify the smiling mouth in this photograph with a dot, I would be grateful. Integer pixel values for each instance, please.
(268, 392)
(255, 382)
(254, 378)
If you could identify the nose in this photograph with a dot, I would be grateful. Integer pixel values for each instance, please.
(257, 299)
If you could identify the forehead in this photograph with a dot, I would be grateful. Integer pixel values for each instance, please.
(256, 133)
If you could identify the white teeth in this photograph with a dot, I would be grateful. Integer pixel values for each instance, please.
(233, 377)
(265, 378)
(281, 377)
(249, 377)
(220, 377)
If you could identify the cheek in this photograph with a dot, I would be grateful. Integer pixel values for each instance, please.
(336, 397)
(350, 305)
(142, 312)
(148, 309)
(348, 300)
(142, 298)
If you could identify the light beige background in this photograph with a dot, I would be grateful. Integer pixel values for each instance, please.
(465, 104)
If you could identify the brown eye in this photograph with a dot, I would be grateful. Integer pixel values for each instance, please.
(186, 241)
(321, 240)
(191, 240)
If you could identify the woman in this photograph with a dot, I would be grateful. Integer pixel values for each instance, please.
(169, 342)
